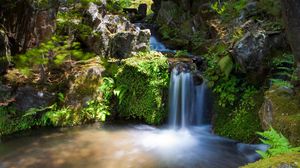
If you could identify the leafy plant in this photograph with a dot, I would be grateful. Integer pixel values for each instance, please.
(48, 55)
(181, 53)
(226, 65)
(278, 144)
(96, 110)
(218, 7)
(281, 83)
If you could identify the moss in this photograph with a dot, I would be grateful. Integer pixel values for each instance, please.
(240, 121)
(285, 111)
(144, 80)
(291, 160)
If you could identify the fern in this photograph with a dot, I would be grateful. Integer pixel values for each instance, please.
(277, 142)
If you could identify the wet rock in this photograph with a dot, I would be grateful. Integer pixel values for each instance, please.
(114, 35)
(28, 97)
(281, 111)
(84, 85)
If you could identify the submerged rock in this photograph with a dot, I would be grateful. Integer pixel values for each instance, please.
(281, 110)
(114, 35)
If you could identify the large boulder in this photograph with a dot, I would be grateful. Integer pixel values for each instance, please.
(252, 50)
(114, 35)
(281, 110)
(84, 84)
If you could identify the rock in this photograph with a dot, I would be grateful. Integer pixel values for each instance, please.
(84, 85)
(4, 51)
(28, 97)
(251, 51)
(114, 35)
(281, 110)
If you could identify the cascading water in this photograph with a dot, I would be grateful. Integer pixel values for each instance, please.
(186, 100)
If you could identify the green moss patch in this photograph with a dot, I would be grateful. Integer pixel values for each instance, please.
(285, 112)
(291, 160)
(140, 86)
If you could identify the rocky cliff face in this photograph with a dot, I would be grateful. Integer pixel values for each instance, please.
(114, 35)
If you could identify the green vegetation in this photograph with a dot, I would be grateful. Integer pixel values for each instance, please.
(49, 55)
(230, 9)
(284, 160)
(140, 83)
(237, 101)
(277, 142)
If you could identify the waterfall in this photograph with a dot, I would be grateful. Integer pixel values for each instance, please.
(186, 100)
(158, 46)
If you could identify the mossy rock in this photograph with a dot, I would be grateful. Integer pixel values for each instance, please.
(236, 123)
(84, 84)
(281, 110)
(289, 160)
(144, 80)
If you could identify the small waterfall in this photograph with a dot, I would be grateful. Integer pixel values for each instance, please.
(158, 46)
(186, 100)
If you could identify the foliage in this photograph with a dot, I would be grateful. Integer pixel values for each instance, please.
(181, 53)
(236, 100)
(281, 83)
(227, 91)
(11, 121)
(220, 63)
(139, 85)
(50, 54)
(226, 65)
(167, 32)
(277, 142)
(271, 7)
(229, 9)
(283, 70)
(237, 34)
(116, 6)
(198, 39)
(218, 7)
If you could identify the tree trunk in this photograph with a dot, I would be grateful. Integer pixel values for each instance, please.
(291, 15)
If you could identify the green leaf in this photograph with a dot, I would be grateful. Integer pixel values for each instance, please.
(226, 65)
